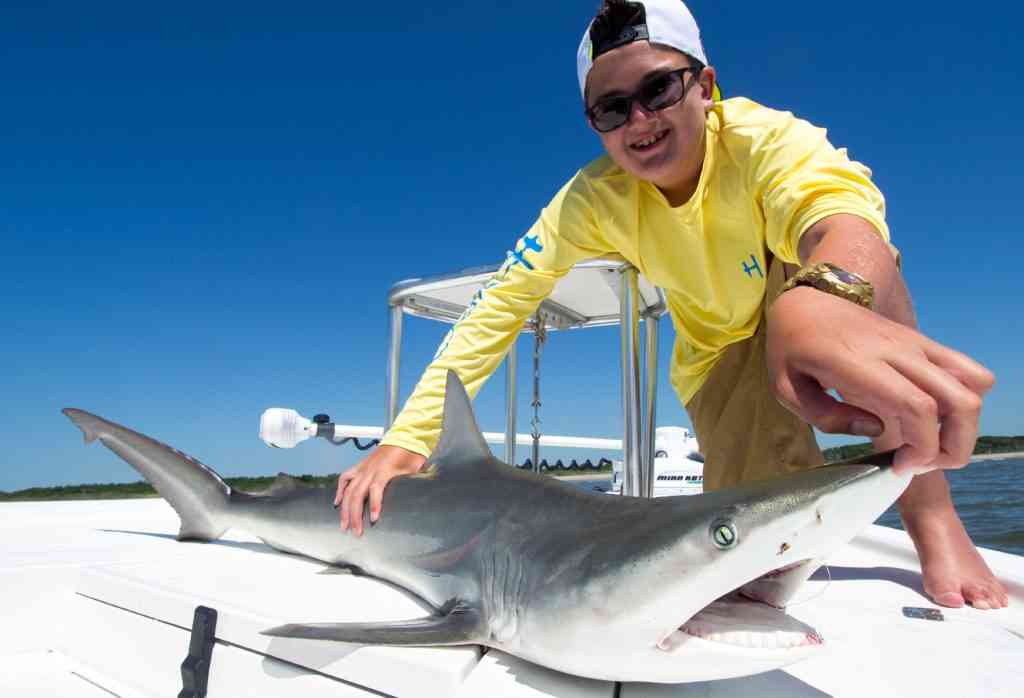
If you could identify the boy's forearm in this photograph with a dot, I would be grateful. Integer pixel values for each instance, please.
(854, 244)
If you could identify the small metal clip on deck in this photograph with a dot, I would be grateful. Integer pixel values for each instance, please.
(919, 613)
(195, 670)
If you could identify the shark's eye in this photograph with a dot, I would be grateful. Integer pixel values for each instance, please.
(723, 533)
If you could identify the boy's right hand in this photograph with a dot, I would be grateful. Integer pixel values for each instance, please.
(368, 478)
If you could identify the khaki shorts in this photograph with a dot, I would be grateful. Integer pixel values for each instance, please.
(744, 433)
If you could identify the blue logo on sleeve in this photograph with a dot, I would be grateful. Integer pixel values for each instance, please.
(518, 255)
(751, 268)
(529, 243)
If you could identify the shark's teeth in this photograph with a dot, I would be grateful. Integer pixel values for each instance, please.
(740, 623)
(753, 640)
(767, 639)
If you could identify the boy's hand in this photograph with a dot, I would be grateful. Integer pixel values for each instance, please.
(368, 478)
(883, 370)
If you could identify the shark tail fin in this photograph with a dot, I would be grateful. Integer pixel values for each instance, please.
(456, 624)
(79, 420)
(198, 494)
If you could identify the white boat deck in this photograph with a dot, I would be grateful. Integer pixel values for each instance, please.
(98, 598)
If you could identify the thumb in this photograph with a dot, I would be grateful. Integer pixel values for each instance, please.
(804, 396)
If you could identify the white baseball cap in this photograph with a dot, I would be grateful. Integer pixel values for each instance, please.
(666, 22)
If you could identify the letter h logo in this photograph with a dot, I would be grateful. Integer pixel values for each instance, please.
(751, 268)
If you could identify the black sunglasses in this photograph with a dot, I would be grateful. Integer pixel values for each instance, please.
(654, 94)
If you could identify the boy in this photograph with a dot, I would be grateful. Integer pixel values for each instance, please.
(772, 248)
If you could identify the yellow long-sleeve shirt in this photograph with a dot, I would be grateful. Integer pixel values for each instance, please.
(767, 177)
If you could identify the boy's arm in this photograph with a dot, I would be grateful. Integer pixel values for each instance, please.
(886, 372)
(820, 206)
(565, 234)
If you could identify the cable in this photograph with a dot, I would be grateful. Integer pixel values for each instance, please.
(355, 442)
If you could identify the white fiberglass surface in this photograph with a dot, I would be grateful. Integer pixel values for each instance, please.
(858, 603)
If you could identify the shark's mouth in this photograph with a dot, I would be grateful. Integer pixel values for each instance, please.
(752, 616)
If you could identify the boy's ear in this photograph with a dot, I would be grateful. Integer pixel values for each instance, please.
(709, 88)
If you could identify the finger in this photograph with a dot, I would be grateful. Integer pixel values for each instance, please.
(972, 374)
(885, 392)
(343, 480)
(357, 500)
(351, 494)
(343, 516)
(804, 396)
(376, 499)
(957, 438)
(958, 407)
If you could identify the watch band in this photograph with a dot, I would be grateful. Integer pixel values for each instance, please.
(829, 278)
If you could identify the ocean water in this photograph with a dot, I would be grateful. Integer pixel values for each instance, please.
(989, 496)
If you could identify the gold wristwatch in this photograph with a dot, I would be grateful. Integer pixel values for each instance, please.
(831, 279)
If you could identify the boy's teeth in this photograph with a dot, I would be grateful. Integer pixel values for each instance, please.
(649, 141)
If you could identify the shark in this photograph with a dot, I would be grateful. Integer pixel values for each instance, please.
(666, 590)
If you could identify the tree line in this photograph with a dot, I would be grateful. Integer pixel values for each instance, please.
(985, 445)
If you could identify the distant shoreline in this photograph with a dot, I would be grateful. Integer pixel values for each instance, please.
(998, 456)
(252, 485)
(131, 490)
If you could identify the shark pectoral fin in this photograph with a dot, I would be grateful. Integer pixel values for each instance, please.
(457, 625)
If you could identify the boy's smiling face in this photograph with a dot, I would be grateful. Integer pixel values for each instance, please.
(664, 147)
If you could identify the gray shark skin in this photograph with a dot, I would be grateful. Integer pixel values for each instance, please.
(616, 588)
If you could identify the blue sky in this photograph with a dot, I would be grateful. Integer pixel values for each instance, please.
(204, 205)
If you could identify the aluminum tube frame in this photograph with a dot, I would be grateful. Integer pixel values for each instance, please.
(650, 406)
(629, 300)
(510, 405)
(394, 361)
(497, 438)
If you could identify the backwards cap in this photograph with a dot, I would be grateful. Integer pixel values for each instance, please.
(666, 22)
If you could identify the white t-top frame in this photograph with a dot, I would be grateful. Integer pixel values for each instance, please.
(595, 293)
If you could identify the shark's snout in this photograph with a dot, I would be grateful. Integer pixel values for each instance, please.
(765, 540)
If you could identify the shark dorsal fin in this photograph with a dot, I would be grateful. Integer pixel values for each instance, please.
(461, 444)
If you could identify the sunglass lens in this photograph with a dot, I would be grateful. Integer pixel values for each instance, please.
(610, 113)
(663, 91)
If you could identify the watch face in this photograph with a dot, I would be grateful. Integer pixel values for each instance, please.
(845, 276)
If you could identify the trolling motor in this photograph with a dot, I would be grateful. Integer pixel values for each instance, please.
(284, 428)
